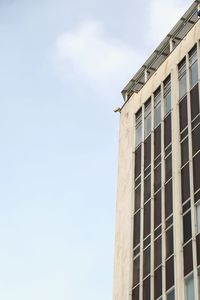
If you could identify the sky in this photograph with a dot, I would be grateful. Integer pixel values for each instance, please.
(63, 64)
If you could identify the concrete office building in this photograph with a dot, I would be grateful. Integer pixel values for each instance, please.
(157, 248)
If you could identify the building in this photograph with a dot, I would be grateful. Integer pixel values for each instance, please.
(157, 248)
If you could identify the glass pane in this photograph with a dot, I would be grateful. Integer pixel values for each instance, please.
(157, 178)
(196, 168)
(194, 98)
(189, 288)
(147, 188)
(147, 289)
(138, 135)
(188, 258)
(147, 152)
(183, 113)
(184, 152)
(168, 167)
(171, 296)
(158, 283)
(157, 252)
(137, 162)
(167, 130)
(147, 218)
(187, 229)
(136, 271)
(193, 74)
(135, 294)
(157, 209)
(157, 141)
(136, 231)
(147, 128)
(157, 115)
(146, 262)
(182, 86)
(168, 199)
(169, 242)
(137, 198)
(185, 183)
(169, 273)
(198, 217)
(196, 140)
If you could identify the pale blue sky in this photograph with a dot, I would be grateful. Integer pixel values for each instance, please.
(62, 67)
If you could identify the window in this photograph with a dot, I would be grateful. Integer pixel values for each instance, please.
(157, 107)
(188, 258)
(169, 242)
(157, 141)
(182, 78)
(170, 295)
(167, 95)
(138, 162)
(194, 98)
(147, 188)
(147, 117)
(196, 168)
(158, 283)
(167, 130)
(185, 183)
(157, 209)
(198, 217)
(168, 199)
(193, 66)
(137, 198)
(136, 228)
(187, 228)
(147, 218)
(196, 140)
(138, 127)
(136, 271)
(147, 289)
(184, 152)
(183, 113)
(136, 293)
(157, 252)
(146, 262)
(147, 152)
(189, 288)
(169, 273)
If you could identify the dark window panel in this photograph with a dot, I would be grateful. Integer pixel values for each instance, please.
(138, 181)
(186, 206)
(168, 199)
(167, 130)
(168, 150)
(169, 273)
(169, 242)
(196, 140)
(197, 196)
(184, 152)
(147, 152)
(157, 252)
(157, 178)
(136, 251)
(136, 271)
(183, 113)
(195, 122)
(196, 172)
(170, 295)
(135, 293)
(187, 229)
(157, 141)
(157, 232)
(138, 162)
(157, 161)
(136, 232)
(157, 209)
(147, 218)
(147, 188)
(158, 283)
(184, 133)
(137, 198)
(168, 167)
(146, 262)
(194, 96)
(169, 221)
(147, 289)
(185, 183)
(188, 259)
(198, 249)
(147, 241)
(147, 171)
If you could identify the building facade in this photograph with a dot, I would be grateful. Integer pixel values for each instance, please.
(157, 246)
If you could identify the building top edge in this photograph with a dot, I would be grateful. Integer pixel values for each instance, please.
(160, 54)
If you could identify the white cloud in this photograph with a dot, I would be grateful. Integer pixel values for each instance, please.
(163, 16)
(89, 52)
